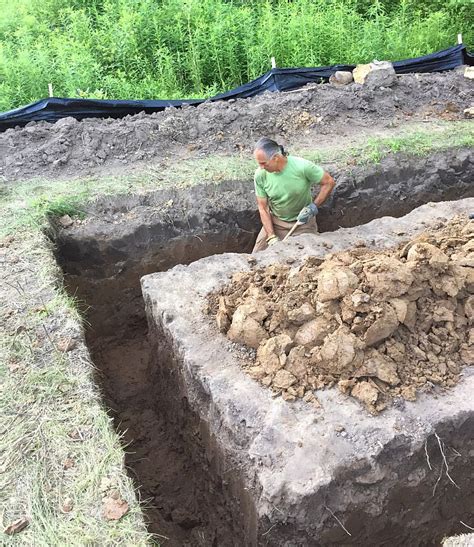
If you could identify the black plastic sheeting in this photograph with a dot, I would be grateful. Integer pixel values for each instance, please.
(277, 79)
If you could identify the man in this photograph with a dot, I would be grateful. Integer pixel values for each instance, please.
(283, 188)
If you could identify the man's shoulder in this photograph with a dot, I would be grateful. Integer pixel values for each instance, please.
(299, 162)
(260, 175)
(312, 171)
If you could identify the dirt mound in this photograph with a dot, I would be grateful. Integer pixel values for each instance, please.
(72, 148)
(377, 324)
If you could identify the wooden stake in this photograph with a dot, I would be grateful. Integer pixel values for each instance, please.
(50, 90)
(274, 65)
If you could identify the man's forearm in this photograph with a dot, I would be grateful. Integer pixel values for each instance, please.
(327, 186)
(267, 222)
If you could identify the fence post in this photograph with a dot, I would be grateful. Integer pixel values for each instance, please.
(50, 90)
(274, 65)
(459, 38)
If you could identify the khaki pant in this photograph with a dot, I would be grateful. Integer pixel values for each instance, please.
(281, 229)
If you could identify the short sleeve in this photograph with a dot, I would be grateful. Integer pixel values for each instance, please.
(313, 173)
(259, 180)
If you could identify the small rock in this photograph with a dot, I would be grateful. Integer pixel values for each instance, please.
(469, 112)
(341, 77)
(283, 379)
(383, 327)
(335, 282)
(366, 393)
(114, 509)
(375, 74)
(66, 221)
(16, 526)
(302, 314)
(67, 505)
(66, 344)
(469, 72)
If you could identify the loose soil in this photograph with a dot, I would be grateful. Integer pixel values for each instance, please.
(181, 498)
(380, 325)
(316, 116)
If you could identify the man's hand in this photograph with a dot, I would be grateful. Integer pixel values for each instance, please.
(307, 212)
(272, 240)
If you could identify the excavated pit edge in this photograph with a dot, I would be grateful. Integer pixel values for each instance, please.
(284, 462)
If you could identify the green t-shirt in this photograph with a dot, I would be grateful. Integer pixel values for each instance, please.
(289, 190)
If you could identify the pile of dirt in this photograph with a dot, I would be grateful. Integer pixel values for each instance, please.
(73, 148)
(378, 324)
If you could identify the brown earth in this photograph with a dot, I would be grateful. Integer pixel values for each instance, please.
(316, 116)
(380, 325)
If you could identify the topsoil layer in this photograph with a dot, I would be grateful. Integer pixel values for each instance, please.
(377, 324)
(309, 116)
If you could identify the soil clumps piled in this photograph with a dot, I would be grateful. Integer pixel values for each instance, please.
(379, 325)
(303, 116)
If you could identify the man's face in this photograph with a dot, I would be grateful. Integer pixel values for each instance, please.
(270, 165)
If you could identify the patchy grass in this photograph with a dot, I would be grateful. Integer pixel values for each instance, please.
(60, 455)
(418, 140)
(418, 143)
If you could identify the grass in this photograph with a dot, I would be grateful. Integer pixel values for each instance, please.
(418, 141)
(60, 454)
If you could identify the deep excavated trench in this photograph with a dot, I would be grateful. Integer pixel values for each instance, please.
(103, 260)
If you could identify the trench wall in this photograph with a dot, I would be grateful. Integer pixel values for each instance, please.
(381, 480)
(128, 237)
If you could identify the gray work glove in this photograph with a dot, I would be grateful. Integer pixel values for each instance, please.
(307, 212)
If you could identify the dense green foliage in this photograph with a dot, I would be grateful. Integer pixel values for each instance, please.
(176, 48)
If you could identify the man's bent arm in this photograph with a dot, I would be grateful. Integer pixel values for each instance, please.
(327, 184)
(265, 216)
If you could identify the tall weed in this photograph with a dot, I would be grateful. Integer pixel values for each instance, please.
(137, 49)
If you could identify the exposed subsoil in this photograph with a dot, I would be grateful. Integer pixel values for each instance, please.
(182, 503)
(103, 263)
(378, 325)
(104, 258)
(317, 116)
(126, 237)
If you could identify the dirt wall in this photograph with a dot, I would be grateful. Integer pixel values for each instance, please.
(319, 477)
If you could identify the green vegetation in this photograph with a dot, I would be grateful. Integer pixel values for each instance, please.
(183, 48)
(418, 143)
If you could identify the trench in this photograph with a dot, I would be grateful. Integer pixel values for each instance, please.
(128, 237)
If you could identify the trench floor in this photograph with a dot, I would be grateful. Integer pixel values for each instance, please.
(174, 490)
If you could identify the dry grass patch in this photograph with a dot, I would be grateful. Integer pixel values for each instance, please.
(61, 459)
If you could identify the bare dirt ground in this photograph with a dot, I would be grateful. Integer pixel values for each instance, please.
(317, 116)
(377, 325)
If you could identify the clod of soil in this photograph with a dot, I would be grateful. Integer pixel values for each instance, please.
(378, 324)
